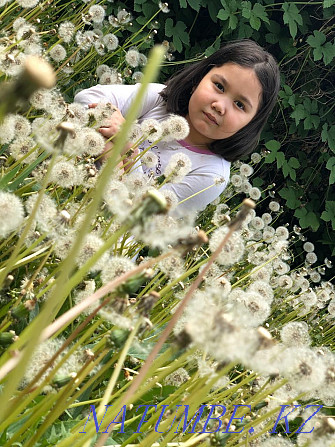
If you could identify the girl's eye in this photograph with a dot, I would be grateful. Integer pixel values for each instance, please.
(219, 86)
(240, 105)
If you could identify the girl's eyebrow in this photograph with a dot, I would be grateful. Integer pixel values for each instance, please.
(242, 97)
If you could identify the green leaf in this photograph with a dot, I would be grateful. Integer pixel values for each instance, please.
(178, 34)
(328, 134)
(311, 121)
(299, 113)
(291, 195)
(183, 3)
(280, 159)
(328, 52)
(328, 3)
(292, 17)
(228, 12)
(308, 219)
(272, 145)
(331, 166)
(254, 15)
(329, 214)
(294, 163)
(194, 4)
(4, 181)
(317, 40)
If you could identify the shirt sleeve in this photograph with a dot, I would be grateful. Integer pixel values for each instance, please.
(121, 96)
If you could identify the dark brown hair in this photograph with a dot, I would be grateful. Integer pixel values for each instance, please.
(246, 53)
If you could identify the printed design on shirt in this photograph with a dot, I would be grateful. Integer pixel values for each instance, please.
(157, 170)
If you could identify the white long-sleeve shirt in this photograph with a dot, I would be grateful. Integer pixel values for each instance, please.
(208, 170)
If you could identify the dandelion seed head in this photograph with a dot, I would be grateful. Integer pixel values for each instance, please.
(12, 213)
(236, 180)
(175, 128)
(91, 244)
(89, 289)
(66, 174)
(97, 13)
(177, 378)
(90, 142)
(27, 3)
(123, 17)
(274, 206)
(110, 77)
(256, 157)
(149, 159)
(132, 58)
(303, 368)
(58, 53)
(255, 193)
(7, 129)
(17, 23)
(246, 170)
(311, 258)
(282, 233)
(256, 309)
(151, 129)
(257, 223)
(308, 247)
(66, 31)
(137, 76)
(263, 288)
(111, 41)
(295, 333)
(116, 266)
(173, 266)
(232, 252)
(46, 211)
(267, 218)
(179, 165)
(20, 148)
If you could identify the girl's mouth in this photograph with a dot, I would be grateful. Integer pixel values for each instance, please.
(211, 118)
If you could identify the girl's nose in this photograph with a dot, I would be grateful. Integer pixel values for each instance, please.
(219, 107)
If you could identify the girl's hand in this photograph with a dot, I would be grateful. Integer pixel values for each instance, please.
(113, 124)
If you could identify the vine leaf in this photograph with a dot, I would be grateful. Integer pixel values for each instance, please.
(328, 134)
(331, 166)
(329, 214)
(178, 32)
(321, 48)
(254, 15)
(228, 12)
(307, 218)
(292, 17)
(292, 197)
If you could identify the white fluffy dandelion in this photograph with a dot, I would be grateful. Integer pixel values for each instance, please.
(91, 142)
(91, 244)
(246, 170)
(295, 333)
(274, 206)
(132, 58)
(66, 31)
(58, 53)
(66, 174)
(151, 129)
(233, 250)
(179, 165)
(255, 193)
(111, 41)
(11, 212)
(175, 128)
(116, 266)
(149, 159)
(97, 13)
(20, 148)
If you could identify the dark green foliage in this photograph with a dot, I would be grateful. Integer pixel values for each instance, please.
(300, 134)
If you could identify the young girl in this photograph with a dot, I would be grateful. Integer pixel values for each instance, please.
(226, 100)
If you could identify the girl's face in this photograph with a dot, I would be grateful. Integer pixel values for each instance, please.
(225, 100)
